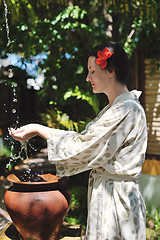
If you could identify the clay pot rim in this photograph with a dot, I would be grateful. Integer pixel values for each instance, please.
(48, 177)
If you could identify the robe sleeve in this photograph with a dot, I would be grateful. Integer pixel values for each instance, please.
(78, 152)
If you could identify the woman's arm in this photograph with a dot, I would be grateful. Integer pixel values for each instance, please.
(29, 131)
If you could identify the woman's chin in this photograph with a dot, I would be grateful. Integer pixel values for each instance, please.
(95, 91)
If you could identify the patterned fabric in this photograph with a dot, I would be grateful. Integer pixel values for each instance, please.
(113, 147)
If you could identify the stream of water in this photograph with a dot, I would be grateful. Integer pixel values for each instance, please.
(23, 152)
(7, 25)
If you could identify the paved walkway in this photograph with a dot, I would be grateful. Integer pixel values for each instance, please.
(40, 163)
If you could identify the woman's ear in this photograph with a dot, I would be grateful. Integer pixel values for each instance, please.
(111, 72)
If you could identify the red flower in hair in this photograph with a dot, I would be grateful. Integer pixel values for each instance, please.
(103, 56)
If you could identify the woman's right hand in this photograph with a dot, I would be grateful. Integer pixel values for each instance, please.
(24, 133)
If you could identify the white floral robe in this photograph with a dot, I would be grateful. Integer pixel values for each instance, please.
(113, 146)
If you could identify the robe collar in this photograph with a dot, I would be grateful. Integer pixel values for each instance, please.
(134, 94)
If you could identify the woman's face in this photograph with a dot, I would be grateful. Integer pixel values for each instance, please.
(99, 78)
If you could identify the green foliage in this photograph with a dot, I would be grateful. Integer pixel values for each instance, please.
(80, 94)
(58, 119)
(153, 223)
(65, 31)
(77, 213)
(4, 159)
(78, 185)
(73, 12)
(5, 152)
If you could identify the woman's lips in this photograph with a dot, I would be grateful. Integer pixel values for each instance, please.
(92, 84)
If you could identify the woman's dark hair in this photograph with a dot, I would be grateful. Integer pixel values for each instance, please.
(117, 62)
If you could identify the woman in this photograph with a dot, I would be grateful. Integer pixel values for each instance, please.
(112, 146)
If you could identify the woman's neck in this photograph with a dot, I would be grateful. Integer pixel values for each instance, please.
(115, 92)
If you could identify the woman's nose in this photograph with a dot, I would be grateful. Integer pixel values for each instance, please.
(88, 78)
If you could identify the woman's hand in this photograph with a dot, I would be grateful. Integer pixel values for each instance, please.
(24, 133)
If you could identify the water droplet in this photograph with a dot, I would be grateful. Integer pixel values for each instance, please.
(14, 110)
(7, 165)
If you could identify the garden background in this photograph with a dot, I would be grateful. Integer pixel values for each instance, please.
(43, 67)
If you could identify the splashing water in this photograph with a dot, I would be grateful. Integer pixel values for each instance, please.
(7, 25)
(27, 175)
(21, 153)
